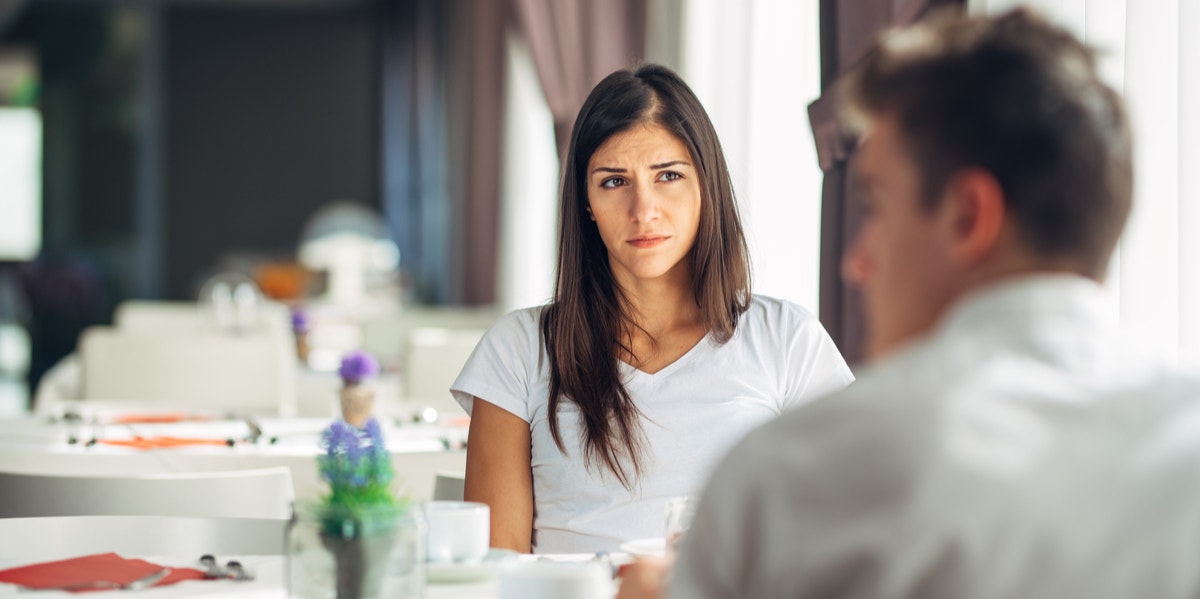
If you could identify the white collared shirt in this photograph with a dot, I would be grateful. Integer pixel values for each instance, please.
(1021, 450)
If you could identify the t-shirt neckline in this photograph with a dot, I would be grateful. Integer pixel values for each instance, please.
(679, 362)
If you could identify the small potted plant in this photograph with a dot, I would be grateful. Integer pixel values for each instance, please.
(371, 534)
(357, 396)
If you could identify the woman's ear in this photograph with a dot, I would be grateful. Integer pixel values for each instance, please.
(975, 214)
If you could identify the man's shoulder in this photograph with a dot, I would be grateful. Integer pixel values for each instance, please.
(871, 410)
(886, 407)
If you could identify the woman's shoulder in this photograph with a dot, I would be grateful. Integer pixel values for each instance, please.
(769, 310)
(522, 320)
(513, 340)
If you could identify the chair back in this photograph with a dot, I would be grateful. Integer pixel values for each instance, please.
(253, 372)
(263, 493)
(60, 537)
(155, 316)
(388, 335)
(433, 359)
(151, 316)
(449, 486)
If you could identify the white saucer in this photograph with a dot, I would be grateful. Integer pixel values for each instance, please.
(655, 547)
(452, 573)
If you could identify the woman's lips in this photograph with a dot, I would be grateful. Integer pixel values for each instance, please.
(646, 242)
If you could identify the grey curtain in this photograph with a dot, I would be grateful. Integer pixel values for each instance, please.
(575, 43)
(475, 174)
(442, 96)
(848, 31)
(414, 152)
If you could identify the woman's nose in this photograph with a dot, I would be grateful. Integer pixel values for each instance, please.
(646, 203)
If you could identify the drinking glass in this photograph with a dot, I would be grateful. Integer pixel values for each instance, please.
(374, 556)
(680, 511)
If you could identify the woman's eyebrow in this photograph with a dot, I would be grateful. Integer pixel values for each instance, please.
(608, 169)
(655, 167)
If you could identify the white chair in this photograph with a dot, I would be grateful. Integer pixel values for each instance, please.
(265, 493)
(59, 537)
(153, 316)
(433, 359)
(148, 316)
(449, 486)
(253, 372)
(59, 384)
(387, 335)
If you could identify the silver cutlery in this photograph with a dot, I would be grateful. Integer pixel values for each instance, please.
(233, 570)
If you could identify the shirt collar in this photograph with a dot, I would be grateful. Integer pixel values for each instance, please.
(1031, 300)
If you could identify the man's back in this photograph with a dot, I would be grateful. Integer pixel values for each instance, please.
(1019, 451)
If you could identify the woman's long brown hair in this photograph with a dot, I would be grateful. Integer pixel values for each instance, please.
(585, 327)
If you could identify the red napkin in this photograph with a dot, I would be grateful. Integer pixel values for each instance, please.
(89, 568)
(161, 442)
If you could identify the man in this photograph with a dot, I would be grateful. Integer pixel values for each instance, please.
(1004, 443)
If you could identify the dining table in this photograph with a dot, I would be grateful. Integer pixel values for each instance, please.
(124, 440)
(269, 581)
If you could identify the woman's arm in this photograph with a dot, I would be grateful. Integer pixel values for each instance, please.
(499, 473)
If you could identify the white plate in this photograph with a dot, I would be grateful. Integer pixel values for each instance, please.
(452, 573)
(655, 547)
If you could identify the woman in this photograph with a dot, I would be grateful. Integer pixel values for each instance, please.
(653, 358)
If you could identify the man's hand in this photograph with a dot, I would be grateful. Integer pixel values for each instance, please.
(644, 579)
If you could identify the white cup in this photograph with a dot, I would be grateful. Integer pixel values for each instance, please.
(459, 531)
(556, 580)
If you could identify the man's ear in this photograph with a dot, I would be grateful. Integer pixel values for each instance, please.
(975, 207)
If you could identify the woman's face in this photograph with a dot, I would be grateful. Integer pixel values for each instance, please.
(644, 194)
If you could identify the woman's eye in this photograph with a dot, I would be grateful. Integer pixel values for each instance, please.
(612, 182)
(669, 176)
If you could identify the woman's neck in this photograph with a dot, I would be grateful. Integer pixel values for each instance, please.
(660, 306)
(665, 321)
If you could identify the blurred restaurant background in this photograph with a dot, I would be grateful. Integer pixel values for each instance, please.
(382, 174)
(354, 159)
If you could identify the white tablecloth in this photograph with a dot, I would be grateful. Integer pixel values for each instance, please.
(38, 445)
(268, 583)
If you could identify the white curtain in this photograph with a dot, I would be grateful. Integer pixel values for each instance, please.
(755, 65)
(21, 192)
(529, 187)
(1150, 51)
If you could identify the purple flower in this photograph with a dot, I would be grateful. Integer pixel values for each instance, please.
(341, 439)
(300, 323)
(374, 433)
(353, 457)
(358, 468)
(357, 366)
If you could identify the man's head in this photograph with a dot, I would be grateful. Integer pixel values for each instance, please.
(990, 147)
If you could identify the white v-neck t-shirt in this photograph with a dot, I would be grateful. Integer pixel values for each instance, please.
(694, 410)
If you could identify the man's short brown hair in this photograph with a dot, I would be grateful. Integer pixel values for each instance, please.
(1021, 99)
